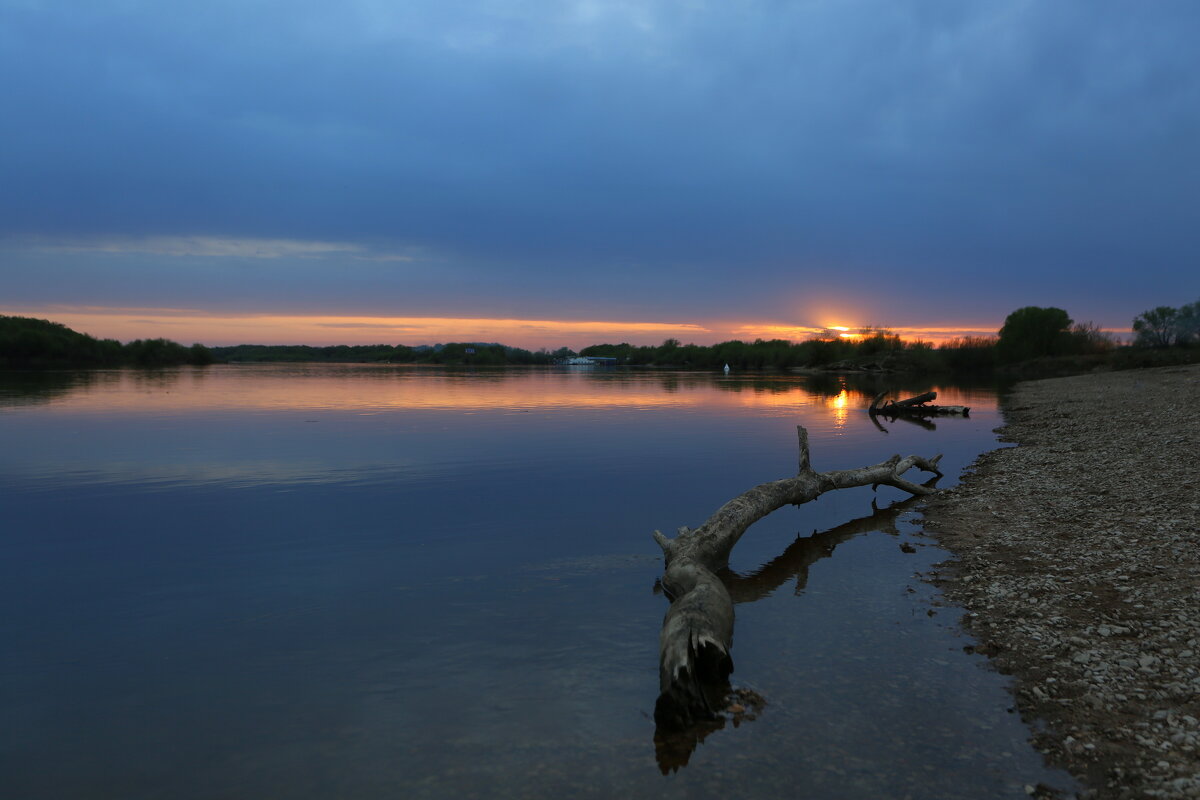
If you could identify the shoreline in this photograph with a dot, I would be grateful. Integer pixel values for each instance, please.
(1076, 556)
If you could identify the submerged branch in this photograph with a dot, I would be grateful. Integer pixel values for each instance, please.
(913, 407)
(697, 632)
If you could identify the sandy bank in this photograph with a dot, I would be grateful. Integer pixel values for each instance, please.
(1078, 562)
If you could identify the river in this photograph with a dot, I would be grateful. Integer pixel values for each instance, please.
(315, 581)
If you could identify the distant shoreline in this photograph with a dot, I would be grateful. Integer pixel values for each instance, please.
(29, 343)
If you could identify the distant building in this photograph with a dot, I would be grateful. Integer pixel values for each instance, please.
(589, 361)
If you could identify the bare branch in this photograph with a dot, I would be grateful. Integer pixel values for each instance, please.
(805, 462)
(697, 632)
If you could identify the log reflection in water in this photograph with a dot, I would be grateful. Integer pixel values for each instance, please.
(920, 422)
(673, 748)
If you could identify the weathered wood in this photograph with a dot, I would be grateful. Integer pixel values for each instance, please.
(914, 406)
(674, 746)
(963, 411)
(697, 631)
(918, 400)
(925, 411)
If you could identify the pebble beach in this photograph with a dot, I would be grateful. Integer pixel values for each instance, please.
(1077, 560)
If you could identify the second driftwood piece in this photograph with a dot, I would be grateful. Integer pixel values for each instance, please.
(697, 632)
(914, 406)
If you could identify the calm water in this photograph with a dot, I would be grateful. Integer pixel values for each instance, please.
(395, 582)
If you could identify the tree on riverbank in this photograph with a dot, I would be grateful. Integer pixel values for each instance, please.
(1033, 332)
(28, 343)
(1166, 326)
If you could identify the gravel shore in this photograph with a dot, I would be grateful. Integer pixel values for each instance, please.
(1078, 563)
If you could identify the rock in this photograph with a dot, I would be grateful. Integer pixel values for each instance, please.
(1078, 565)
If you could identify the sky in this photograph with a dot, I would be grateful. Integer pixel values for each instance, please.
(566, 173)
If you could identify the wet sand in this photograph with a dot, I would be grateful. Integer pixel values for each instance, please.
(1078, 563)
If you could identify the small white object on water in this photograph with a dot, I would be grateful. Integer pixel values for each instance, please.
(726, 369)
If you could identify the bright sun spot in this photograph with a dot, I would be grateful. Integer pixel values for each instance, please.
(842, 331)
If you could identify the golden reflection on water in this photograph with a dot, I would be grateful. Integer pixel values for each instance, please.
(375, 389)
(840, 403)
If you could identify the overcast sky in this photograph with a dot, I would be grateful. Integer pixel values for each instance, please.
(722, 168)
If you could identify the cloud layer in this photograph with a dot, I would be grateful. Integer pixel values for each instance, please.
(646, 160)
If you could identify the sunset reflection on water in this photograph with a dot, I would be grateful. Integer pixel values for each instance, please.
(243, 425)
(379, 388)
(840, 403)
(216, 570)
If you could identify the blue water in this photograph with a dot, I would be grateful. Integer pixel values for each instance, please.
(341, 581)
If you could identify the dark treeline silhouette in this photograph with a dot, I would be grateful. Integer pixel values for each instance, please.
(1168, 327)
(452, 353)
(1029, 334)
(27, 343)
(874, 349)
(881, 349)
(1036, 342)
(1033, 341)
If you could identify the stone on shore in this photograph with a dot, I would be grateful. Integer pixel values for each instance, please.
(1078, 563)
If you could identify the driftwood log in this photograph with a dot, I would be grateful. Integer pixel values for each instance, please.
(697, 631)
(673, 747)
(914, 407)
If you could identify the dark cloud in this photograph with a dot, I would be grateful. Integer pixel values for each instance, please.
(673, 155)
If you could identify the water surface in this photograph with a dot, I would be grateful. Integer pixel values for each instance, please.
(390, 581)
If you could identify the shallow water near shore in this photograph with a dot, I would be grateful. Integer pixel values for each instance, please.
(390, 581)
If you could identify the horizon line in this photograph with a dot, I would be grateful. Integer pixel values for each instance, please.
(227, 329)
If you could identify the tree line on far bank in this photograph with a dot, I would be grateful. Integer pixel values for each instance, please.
(455, 353)
(1032, 340)
(27, 343)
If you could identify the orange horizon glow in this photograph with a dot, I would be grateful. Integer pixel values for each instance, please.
(934, 335)
(217, 329)
(227, 328)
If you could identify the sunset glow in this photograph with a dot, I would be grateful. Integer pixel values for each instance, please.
(226, 329)
(351, 352)
(188, 325)
(180, 192)
(933, 335)
(299, 387)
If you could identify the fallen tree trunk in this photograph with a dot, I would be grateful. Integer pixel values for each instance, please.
(914, 406)
(673, 747)
(918, 400)
(697, 631)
